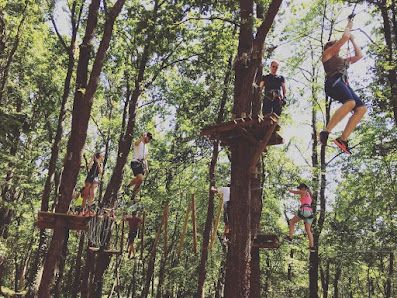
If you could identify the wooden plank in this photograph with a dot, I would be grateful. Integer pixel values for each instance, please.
(269, 119)
(266, 245)
(266, 241)
(46, 220)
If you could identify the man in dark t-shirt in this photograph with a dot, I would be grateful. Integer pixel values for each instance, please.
(133, 222)
(273, 100)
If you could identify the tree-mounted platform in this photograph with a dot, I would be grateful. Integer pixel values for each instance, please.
(266, 241)
(105, 251)
(46, 220)
(259, 131)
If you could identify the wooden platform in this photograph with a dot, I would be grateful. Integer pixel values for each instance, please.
(253, 129)
(105, 251)
(46, 220)
(259, 131)
(266, 241)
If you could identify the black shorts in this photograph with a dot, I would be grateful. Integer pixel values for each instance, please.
(226, 212)
(137, 168)
(92, 180)
(131, 237)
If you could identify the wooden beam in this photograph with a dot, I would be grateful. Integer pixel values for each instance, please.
(216, 223)
(184, 229)
(249, 136)
(262, 147)
(226, 126)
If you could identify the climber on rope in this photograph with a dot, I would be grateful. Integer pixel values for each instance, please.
(273, 100)
(91, 184)
(133, 223)
(224, 192)
(338, 88)
(139, 164)
(305, 213)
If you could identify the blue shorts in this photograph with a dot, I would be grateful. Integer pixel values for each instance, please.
(337, 88)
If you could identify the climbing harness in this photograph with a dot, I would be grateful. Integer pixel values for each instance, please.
(301, 212)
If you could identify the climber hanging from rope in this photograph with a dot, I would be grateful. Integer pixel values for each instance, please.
(305, 213)
(338, 88)
(133, 223)
(91, 183)
(139, 164)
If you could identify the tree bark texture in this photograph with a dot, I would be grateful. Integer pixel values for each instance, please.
(80, 116)
(77, 274)
(248, 60)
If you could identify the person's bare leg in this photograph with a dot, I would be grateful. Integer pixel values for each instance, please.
(85, 195)
(309, 234)
(139, 179)
(340, 113)
(353, 121)
(292, 223)
(92, 194)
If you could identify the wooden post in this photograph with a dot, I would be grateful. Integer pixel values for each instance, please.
(158, 233)
(218, 216)
(143, 232)
(194, 225)
(165, 229)
(184, 229)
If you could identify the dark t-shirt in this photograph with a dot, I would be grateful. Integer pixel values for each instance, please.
(133, 222)
(272, 82)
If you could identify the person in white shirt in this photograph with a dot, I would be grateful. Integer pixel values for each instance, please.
(139, 163)
(224, 192)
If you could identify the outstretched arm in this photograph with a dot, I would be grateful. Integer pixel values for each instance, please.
(141, 139)
(298, 192)
(335, 48)
(357, 51)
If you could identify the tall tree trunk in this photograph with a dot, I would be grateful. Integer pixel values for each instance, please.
(55, 151)
(325, 278)
(237, 283)
(210, 212)
(102, 262)
(80, 117)
(59, 279)
(126, 141)
(88, 268)
(390, 57)
(4, 72)
(389, 288)
(338, 272)
(77, 274)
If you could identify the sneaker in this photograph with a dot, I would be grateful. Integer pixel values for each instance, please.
(311, 249)
(343, 145)
(288, 239)
(323, 137)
